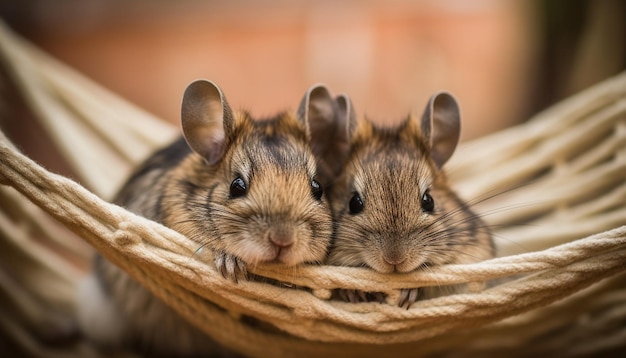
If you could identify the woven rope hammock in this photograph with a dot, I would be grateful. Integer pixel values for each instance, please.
(561, 237)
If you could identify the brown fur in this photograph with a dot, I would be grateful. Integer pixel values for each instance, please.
(180, 189)
(274, 160)
(391, 168)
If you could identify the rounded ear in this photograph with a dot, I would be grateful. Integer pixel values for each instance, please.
(330, 123)
(206, 120)
(441, 126)
(346, 118)
(316, 109)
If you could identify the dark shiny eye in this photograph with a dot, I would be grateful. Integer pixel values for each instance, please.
(356, 204)
(238, 188)
(316, 189)
(427, 202)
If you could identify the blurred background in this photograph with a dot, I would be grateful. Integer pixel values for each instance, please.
(505, 60)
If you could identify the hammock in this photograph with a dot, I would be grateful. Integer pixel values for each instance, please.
(561, 238)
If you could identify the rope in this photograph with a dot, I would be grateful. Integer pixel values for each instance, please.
(563, 248)
(163, 263)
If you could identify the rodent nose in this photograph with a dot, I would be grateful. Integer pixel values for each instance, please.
(394, 261)
(282, 237)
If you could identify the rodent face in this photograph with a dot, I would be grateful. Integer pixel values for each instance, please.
(261, 202)
(394, 210)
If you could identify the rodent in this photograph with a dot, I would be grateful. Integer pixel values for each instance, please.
(394, 208)
(248, 190)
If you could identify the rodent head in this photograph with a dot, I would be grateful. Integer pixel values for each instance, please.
(393, 207)
(251, 188)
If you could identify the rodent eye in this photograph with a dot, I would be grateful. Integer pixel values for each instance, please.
(238, 188)
(427, 202)
(316, 189)
(356, 204)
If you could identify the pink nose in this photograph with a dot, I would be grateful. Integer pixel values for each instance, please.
(282, 237)
(394, 260)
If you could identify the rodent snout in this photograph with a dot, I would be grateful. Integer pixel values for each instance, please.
(395, 261)
(283, 236)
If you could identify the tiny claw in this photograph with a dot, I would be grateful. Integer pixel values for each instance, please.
(231, 267)
(378, 297)
(408, 296)
(357, 296)
(346, 295)
(351, 296)
(362, 296)
(242, 268)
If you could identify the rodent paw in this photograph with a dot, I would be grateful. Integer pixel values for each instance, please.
(231, 267)
(408, 296)
(357, 296)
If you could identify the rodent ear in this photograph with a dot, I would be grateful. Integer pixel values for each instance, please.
(206, 119)
(346, 123)
(317, 108)
(346, 120)
(441, 126)
(330, 122)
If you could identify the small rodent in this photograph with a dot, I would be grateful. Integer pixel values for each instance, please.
(245, 189)
(394, 209)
